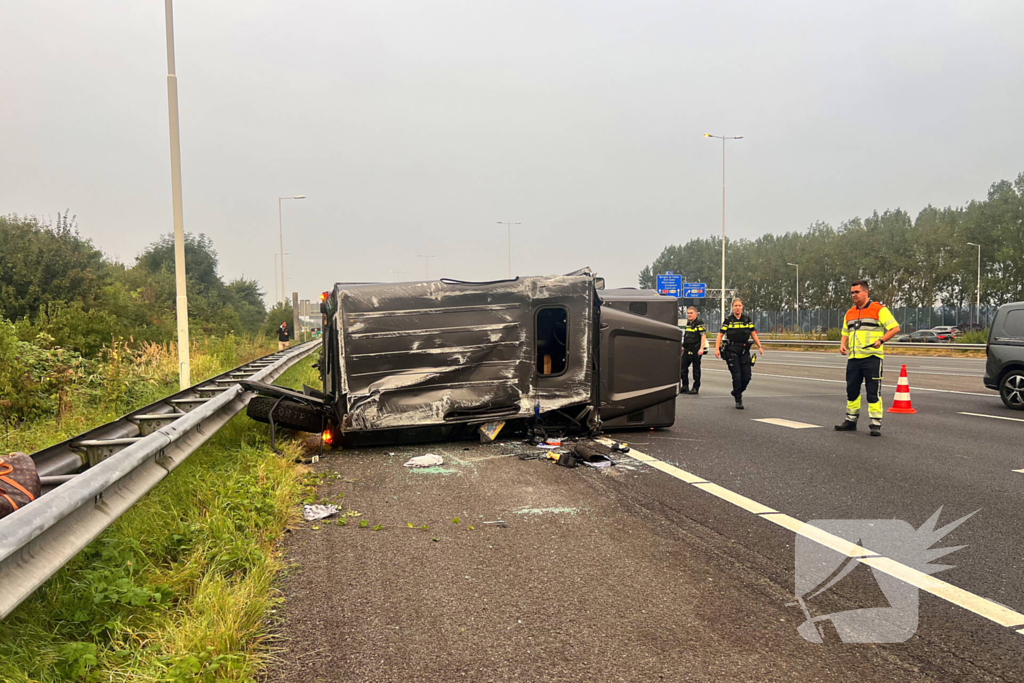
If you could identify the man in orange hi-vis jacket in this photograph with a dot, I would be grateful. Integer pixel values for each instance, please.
(866, 328)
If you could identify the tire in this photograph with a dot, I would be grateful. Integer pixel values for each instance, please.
(1011, 389)
(287, 414)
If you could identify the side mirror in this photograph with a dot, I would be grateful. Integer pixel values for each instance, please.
(598, 283)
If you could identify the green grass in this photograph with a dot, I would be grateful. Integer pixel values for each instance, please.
(180, 588)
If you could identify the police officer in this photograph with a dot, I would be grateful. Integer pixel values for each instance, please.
(738, 330)
(694, 341)
(866, 328)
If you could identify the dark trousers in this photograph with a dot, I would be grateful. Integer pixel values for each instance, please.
(869, 371)
(739, 366)
(690, 357)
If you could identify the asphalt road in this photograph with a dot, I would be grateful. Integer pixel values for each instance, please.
(631, 574)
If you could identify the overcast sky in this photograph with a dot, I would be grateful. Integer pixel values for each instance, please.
(415, 126)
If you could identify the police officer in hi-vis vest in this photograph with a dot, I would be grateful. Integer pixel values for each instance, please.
(738, 330)
(867, 326)
(694, 340)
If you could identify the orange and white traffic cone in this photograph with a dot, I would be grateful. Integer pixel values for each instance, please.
(901, 404)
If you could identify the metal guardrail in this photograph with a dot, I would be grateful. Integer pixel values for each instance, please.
(897, 345)
(125, 458)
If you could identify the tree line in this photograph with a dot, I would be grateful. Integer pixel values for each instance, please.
(923, 261)
(54, 282)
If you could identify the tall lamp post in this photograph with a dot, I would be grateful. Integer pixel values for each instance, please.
(723, 138)
(796, 304)
(509, 224)
(426, 262)
(181, 296)
(276, 298)
(280, 231)
(978, 314)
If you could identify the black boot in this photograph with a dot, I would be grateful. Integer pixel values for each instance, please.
(876, 430)
(739, 403)
(694, 391)
(847, 426)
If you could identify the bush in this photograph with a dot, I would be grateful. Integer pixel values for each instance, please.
(979, 337)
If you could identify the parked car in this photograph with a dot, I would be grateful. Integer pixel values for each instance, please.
(946, 329)
(929, 336)
(1004, 370)
(901, 338)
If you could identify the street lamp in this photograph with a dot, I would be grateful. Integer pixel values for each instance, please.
(509, 224)
(797, 302)
(978, 314)
(280, 230)
(276, 299)
(426, 262)
(723, 138)
(399, 273)
(181, 296)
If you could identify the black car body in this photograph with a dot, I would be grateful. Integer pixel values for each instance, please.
(1004, 369)
(436, 359)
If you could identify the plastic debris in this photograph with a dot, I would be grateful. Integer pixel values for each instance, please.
(314, 512)
(489, 431)
(426, 460)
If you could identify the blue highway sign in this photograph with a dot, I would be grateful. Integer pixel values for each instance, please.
(670, 284)
(695, 290)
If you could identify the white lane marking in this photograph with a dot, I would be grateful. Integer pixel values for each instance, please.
(994, 417)
(843, 381)
(983, 607)
(787, 423)
(1021, 471)
(843, 367)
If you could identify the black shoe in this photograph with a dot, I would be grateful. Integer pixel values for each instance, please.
(693, 391)
(739, 404)
(847, 426)
(876, 430)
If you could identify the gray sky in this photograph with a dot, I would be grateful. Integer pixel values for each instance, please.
(414, 126)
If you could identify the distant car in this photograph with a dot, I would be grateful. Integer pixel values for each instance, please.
(901, 338)
(970, 327)
(928, 336)
(947, 329)
(1004, 370)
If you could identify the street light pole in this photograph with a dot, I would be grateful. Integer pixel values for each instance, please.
(276, 299)
(426, 262)
(723, 138)
(978, 314)
(509, 224)
(181, 295)
(796, 304)
(280, 230)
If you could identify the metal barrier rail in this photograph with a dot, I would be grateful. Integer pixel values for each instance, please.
(125, 458)
(899, 345)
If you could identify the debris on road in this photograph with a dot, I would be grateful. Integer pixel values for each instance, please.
(489, 431)
(426, 460)
(311, 513)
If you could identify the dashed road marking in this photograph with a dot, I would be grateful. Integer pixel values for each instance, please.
(787, 423)
(983, 607)
(1021, 471)
(994, 417)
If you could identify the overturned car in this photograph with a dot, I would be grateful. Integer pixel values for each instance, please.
(435, 360)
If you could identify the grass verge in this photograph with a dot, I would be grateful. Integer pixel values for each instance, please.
(179, 588)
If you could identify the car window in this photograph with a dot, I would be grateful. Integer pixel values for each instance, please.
(1014, 325)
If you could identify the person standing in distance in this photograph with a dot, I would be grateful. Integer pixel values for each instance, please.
(866, 328)
(738, 330)
(694, 340)
(282, 337)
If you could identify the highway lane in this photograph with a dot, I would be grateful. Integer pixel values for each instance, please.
(938, 457)
(958, 374)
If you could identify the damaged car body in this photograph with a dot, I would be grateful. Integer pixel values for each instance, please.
(436, 359)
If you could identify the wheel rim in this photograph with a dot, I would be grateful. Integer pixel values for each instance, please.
(1014, 391)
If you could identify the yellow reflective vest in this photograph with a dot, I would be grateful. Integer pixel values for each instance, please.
(865, 326)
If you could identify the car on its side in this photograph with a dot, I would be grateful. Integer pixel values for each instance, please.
(1004, 369)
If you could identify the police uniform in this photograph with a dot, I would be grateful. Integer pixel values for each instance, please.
(691, 346)
(736, 337)
(864, 327)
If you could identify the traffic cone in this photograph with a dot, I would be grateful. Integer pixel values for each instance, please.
(901, 404)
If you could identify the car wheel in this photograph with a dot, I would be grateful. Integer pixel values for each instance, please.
(1011, 390)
